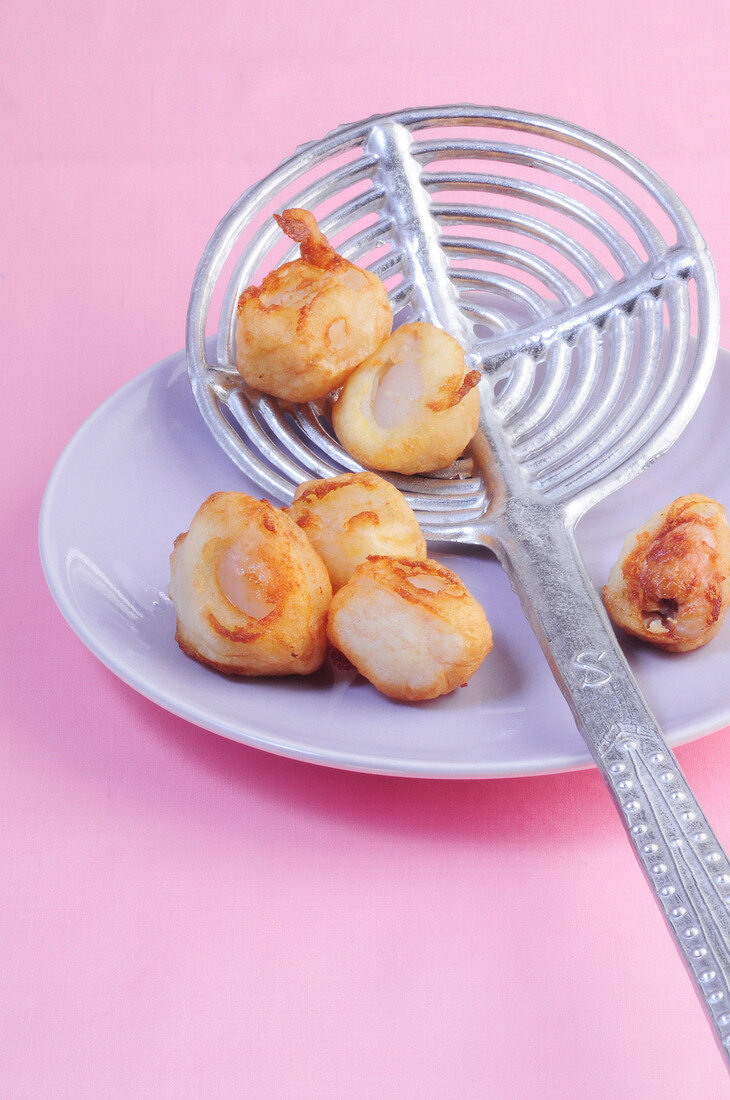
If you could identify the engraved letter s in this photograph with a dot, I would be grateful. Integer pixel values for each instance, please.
(589, 663)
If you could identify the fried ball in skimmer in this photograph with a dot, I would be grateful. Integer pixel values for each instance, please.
(410, 627)
(350, 517)
(671, 584)
(250, 592)
(412, 407)
(312, 321)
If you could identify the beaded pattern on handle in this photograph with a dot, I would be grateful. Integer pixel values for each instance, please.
(681, 857)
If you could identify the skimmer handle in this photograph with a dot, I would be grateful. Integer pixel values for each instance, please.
(683, 861)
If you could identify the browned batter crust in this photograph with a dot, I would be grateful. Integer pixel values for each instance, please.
(671, 586)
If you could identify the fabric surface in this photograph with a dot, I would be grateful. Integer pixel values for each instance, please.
(181, 916)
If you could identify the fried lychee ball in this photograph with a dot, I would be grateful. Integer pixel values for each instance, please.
(412, 407)
(350, 517)
(312, 321)
(410, 627)
(250, 592)
(671, 584)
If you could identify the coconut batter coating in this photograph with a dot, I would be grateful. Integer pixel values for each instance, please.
(251, 594)
(410, 627)
(412, 406)
(312, 321)
(350, 517)
(671, 584)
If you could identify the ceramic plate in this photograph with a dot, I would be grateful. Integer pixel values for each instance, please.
(135, 473)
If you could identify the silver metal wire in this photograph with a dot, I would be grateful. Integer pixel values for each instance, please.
(582, 409)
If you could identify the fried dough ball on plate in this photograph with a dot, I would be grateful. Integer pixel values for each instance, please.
(412, 407)
(312, 321)
(410, 627)
(350, 517)
(251, 594)
(671, 584)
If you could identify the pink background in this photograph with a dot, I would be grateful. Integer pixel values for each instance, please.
(181, 916)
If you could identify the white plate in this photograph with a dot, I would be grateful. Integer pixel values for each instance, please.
(135, 473)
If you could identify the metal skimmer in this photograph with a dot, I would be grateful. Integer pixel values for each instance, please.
(582, 289)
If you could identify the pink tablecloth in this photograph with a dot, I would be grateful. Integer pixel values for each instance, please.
(184, 917)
